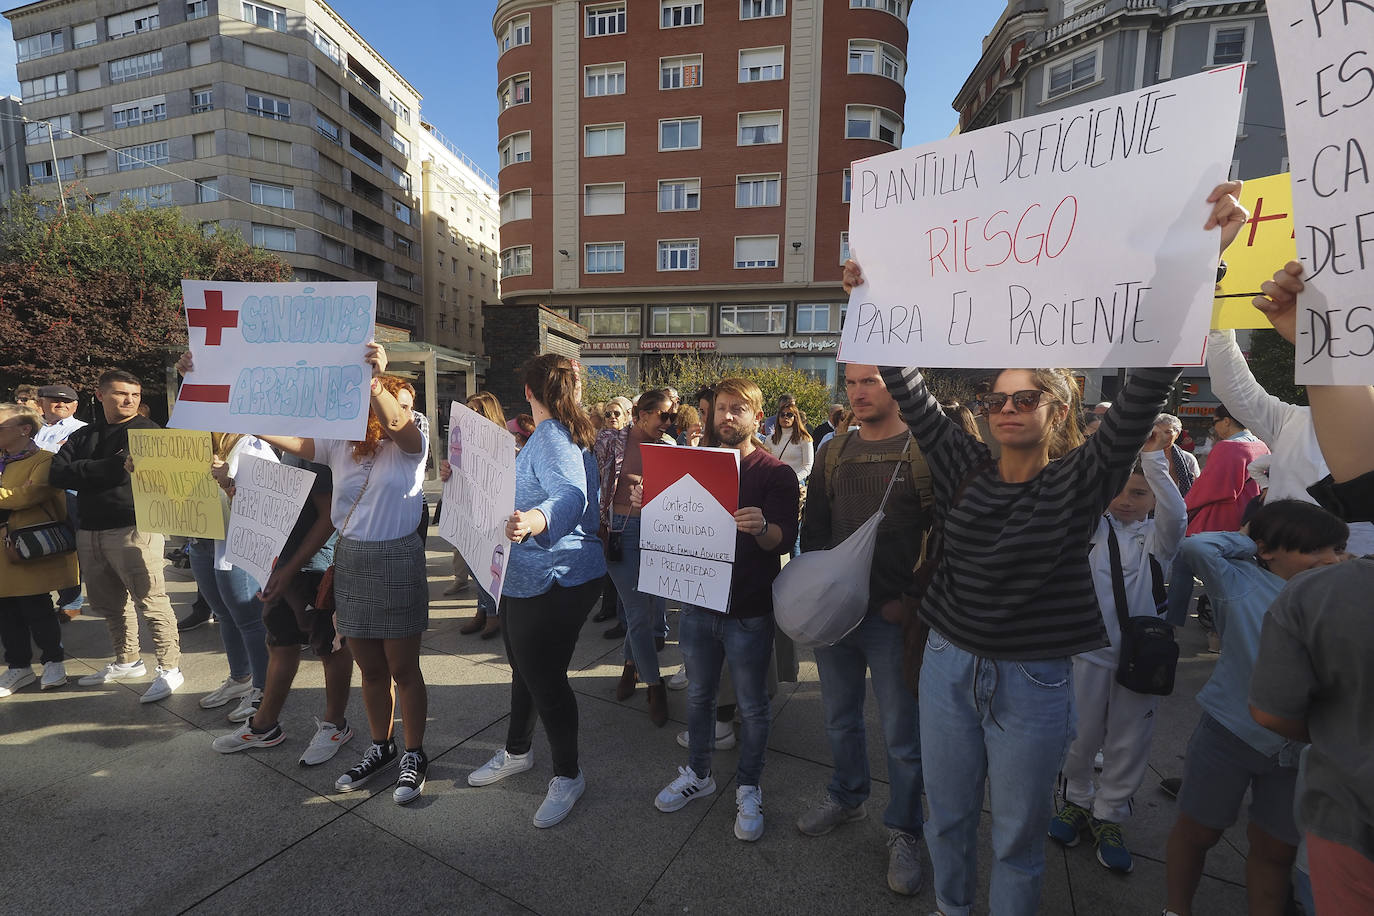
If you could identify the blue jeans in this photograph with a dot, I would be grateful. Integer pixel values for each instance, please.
(1007, 722)
(640, 611)
(875, 645)
(232, 595)
(709, 640)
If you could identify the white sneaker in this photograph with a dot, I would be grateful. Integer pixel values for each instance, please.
(246, 738)
(326, 743)
(679, 680)
(680, 791)
(115, 671)
(54, 675)
(725, 737)
(248, 704)
(229, 690)
(164, 685)
(564, 791)
(15, 678)
(500, 766)
(749, 813)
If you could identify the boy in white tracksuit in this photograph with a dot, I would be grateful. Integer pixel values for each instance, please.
(1119, 721)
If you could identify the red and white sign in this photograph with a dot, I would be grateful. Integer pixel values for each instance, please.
(603, 346)
(689, 344)
(687, 524)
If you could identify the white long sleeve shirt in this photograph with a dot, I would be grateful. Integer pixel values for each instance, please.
(1159, 536)
(796, 455)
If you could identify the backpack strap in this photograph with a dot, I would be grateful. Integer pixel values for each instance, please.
(911, 454)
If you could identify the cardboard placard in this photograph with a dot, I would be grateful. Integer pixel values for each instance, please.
(268, 498)
(173, 490)
(480, 495)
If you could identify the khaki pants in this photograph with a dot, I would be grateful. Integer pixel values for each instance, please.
(123, 563)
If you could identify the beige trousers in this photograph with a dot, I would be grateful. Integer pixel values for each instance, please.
(121, 564)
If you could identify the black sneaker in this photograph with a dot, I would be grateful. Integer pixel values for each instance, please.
(377, 758)
(199, 616)
(412, 780)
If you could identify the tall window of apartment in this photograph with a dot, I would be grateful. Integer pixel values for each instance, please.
(679, 72)
(400, 108)
(676, 13)
(877, 58)
(514, 33)
(143, 111)
(686, 320)
(327, 128)
(1230, 45)
(207, 190)
(40, 45)
(678, 254)
(273, 195)
(758, 190)
(204, 144)
(269, 149)
(679, 133)
(44, 87)
(603, 199)
(41, 172)
(333, 250)
(604, 140)
(866, 122)
(266, 106)
(276, 238)
(757, 65)
(83, 35)
(135, 67)
(679, 194)
(516, 205)
(605, 79)
(760, 127)
(1069, 75)
(844, 246)
(60, 125)
(813, 318)
(202, 99)
(265, 15)
(752, 251)
(513, 91)
(605, 258)
(895, 7)
(759, 9)
(846, 186)
(326, 45)
(141, 156)
(753, 319)
(517, 261)
(197, 9)
(332, 210)
(607, 19)
(618, 321)
(144, 19)
(401, 212)
(515, 148)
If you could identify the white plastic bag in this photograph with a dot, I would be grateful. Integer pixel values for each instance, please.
(820, 596)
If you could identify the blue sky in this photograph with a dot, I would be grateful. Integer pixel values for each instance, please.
(445, 48)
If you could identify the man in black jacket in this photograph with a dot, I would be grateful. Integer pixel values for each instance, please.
(118, 561)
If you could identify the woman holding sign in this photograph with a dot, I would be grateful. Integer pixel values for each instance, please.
(1012, 600)
(553, 578)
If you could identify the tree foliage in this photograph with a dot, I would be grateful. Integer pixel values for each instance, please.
(85, 292)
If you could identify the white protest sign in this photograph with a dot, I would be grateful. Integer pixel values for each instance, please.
(1325, 51)
(687, 524)
(480, 495)
(268, 498)
(281, 359)
(1072, 238)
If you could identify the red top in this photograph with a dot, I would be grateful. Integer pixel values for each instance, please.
(1218, 498)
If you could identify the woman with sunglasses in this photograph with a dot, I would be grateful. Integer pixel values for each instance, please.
(1012, 601)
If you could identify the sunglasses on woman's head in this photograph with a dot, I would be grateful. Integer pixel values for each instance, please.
(1024, 401)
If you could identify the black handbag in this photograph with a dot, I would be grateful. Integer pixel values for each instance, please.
(1149, 654)
(38, 542)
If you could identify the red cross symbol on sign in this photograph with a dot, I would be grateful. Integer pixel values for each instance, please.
(1256, 219)
(213, 318)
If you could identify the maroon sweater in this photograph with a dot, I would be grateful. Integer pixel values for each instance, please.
(767, 483)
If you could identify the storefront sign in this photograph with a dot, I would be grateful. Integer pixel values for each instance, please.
(809, 343)
(677, 344)
(603, 346)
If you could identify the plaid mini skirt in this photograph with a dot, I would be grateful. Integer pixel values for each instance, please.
(381, 590)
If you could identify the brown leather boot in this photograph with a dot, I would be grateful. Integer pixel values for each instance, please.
(492, 629)
(658, 704)
(626, 687)
(476, 623)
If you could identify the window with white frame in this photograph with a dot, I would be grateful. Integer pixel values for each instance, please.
(514, 33)
(676, 13)
(142, 111)
(603, 199)
(402, 212)
(399, 108)
(513, 91)
(157, 195)
(326, 45)
(753, 319)
(877, 58)
(277, 238)
(1229, 43)
(406, 247)
(333, 250)
(197, 9)
(84, 35)
(202, 99)
(43, 44)
(141, 156)
(331, 210)
(846, 186)
(604, 140)
(610, 321)
(895, 7)
(515, 148)
(41, 171)
(758, 190)
(678, 254)
(679, 133)
(844, 246)
(760, 127)
(37, 131)
(207, 190)
(43, 87)
(267, 106)
(399, 144)
(1064, 76)
(604, 79)
(679, 320)
(759, 9)
(135, 67)
(607, 19)
(754, 251)
(144, 19)
(273, 195)
(263, 14)
(517, 261)
(516, 205)
(757, 65)
(813, 318)
(327, 128)
(867, 122)
(679, 72)
(605, 257)
(679, 194)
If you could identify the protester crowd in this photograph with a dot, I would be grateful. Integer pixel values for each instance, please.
(1031, 562)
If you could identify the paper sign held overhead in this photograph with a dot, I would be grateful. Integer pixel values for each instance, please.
(1325, 52)
(268, 498)
(480, 495)
(1264, 245)
(173, 490)
(1072, 238)
(277, 358)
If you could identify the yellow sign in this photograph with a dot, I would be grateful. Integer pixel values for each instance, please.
(173, 490)
(1264, 245)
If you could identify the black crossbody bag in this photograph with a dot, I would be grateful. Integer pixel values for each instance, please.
(1149, 654)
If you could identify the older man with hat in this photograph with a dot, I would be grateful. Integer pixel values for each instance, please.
(58, 404)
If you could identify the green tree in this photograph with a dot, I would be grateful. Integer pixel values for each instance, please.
(1271, 361)
(83, 292)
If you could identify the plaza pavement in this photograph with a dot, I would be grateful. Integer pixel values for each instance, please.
(116, 807)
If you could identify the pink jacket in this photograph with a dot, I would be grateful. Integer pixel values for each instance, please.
(1218, 498)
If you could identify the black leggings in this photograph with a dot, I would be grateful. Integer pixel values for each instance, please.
(540, 634)
(30, 615)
